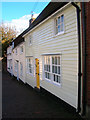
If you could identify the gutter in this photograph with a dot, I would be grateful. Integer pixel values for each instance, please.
(84, 59)
(79, 56)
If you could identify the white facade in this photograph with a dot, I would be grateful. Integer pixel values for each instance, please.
(19, 61)
(45, 42)
(55, 44)
(9, 60)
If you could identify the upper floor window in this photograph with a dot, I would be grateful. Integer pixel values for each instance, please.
(52, 68)
(16, 50)
(30, 40)
(21, 49)
(59, 23)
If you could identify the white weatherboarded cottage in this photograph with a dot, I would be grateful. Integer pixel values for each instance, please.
(46, 54)
(51, 47)
(19, 60)
(9, 60)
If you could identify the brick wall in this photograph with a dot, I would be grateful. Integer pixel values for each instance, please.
(87, 9)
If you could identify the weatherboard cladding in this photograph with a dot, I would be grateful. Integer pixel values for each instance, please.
(18, 40)
(49, 10)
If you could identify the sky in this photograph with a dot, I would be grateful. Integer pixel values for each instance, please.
(17, 14)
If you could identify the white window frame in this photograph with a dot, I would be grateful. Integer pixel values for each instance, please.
(51, 73)
(15, 66)
(29, 65)
(56, 26)
(30, 40)
(16, 51)
(21, 49)
(21, 69)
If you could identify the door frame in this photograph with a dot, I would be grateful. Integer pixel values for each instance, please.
(17, 69)
(37, 73)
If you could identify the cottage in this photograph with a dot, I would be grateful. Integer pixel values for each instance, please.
(52, 57)
(19, 58)
(9, 59)
(52, 46)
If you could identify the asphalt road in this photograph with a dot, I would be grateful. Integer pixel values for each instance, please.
(19, 100)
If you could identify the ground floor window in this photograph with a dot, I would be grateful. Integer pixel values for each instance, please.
(15, 66)
(30, 65)
(52, 68)
(21, 69)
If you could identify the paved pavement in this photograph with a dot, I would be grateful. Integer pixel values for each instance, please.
(22, 101)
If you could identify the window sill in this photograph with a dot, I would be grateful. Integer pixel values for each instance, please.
(52, 82)
(21, 53)
(57, 84)
(30, 73)
(30, 45)
(21, 75)
(59, 34)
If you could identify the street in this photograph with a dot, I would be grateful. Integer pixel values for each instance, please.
(19, 100)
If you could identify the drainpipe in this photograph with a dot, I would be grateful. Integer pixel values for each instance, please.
(79, 56)
(84, 59)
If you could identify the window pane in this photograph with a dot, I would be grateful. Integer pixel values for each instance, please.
(44, 67)
(49, 68)
(30, 71)
(52, 60)
(58, 20)
(52, 69)
(29, 59)
(62, 18)
(29, 65)
(48, 60)
(58, 70)
(59, 79)
(62, 27)
(54, 77)
(58, 28)
(58, 60)
(48, 75)
(55, 69)
(45, 60)
(45, 74)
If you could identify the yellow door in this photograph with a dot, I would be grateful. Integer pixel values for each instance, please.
(37, 73)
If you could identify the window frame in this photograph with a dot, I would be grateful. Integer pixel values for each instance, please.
(16, 51)
(21, 70)
(56, 18)
(21, 49)
(15, 66)
(28, 69)
(30, 39)
(51, 80)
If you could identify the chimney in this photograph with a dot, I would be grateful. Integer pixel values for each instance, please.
(31, 20)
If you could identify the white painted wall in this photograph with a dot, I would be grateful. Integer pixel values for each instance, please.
(20, 57)
(45, 41)
(9, 59)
